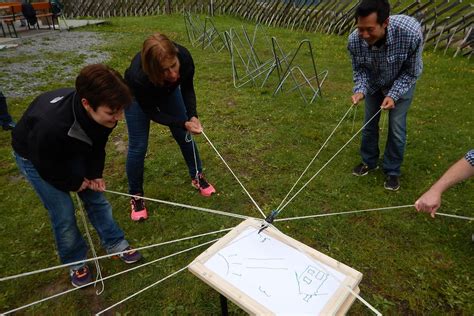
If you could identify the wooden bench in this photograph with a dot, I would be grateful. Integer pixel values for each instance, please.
(43, 10)
(12, 14)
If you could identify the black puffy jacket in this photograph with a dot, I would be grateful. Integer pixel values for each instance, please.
(64, 144)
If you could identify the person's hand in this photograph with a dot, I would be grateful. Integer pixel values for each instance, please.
(356, 98)
(84, 185)
(97, 185)
(193, 125)
(429, 202)
(196, 121)
(388, 103)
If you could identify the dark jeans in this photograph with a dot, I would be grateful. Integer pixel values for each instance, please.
(396, 138)
(69, 241)
(5, 118)
(138, 124)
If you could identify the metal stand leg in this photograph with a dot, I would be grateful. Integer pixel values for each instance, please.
(224, 310)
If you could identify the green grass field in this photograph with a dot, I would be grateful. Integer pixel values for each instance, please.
(412, 264)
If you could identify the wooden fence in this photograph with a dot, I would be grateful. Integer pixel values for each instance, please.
(446, 23)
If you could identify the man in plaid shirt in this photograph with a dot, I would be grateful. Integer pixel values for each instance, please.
(386, 62)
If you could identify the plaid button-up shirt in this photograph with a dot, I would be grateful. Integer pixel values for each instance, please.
(395, 66)
(470, 157)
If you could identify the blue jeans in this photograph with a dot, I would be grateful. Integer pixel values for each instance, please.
(69, 241)
(396, 138)
(138, 124)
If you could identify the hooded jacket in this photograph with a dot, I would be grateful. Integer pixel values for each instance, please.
(149, 95)
(60, 139)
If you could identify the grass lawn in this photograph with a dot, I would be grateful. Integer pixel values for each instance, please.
(412, 264)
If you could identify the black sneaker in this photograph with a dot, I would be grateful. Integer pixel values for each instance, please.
(392, 183)
(362, 169)
(81, 276)
(131, 256)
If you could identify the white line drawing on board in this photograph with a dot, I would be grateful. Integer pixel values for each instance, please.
(236, 265)
(310, 281)
(263, 291)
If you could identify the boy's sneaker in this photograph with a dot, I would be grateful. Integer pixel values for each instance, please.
(204, 187)
(392, 183)
(131, 256)
(138, 209)
(81, 276)
(8, 126)
(362, 169)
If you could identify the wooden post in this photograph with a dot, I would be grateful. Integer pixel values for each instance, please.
(224, 309)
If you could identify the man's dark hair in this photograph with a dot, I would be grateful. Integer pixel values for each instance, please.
(102, 85)
(367, 7)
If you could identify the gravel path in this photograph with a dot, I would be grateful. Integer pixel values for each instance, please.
(48, 60)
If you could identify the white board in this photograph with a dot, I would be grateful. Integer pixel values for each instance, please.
(274, 273)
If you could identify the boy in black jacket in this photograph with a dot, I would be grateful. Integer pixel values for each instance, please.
(59, 146)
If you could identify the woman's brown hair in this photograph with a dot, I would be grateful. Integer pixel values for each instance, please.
(157, 49)
(102, 85)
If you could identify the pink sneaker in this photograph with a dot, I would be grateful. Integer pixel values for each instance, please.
(204, 187)
(138, 209)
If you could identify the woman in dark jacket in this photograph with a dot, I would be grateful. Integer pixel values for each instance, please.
(161, 79)
(59, 145)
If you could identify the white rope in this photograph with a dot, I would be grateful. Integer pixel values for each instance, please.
(189, 139)
(315, 156)
(364, 301)
(106, 278)
(456, 216)
(342, 213)
(181, 205)
(368, 210)
(112, 255)
(354, 118)
(334, 156)
(142, 290)
(89, 239)
(228, 167)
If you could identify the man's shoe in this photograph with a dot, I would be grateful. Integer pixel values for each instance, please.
(81, 276)
(362, 169)
(8, 126)
(138, 209)
(201, 184)
(392, 183)
(131, 256)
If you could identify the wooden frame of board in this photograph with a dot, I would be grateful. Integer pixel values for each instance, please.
(338, 304)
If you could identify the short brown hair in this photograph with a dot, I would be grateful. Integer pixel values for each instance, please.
(102, 85)
(156, 49)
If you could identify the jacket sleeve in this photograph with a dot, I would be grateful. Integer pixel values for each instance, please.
(359, 72)
(63, 174)
(187, 90)
(149, 104)
(95, 162)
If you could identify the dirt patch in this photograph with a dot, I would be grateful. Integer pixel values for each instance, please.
(95, 302)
